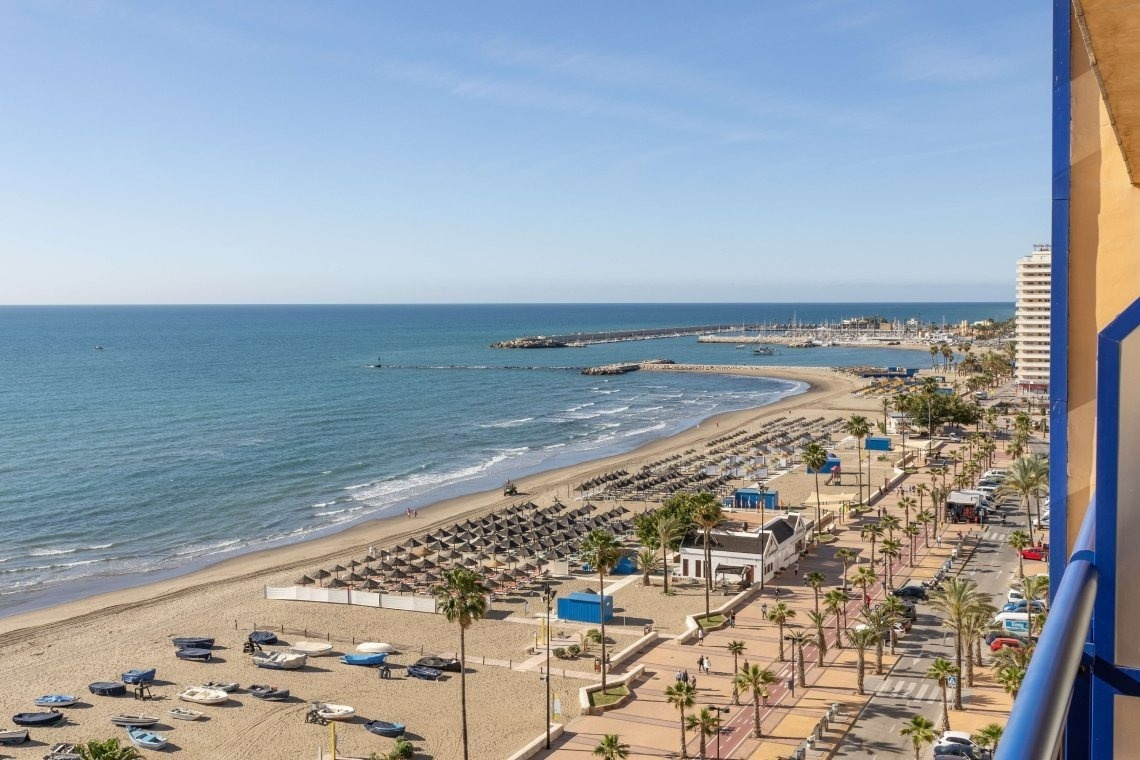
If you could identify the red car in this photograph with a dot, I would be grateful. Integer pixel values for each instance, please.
(1040, 553)
(1001, 642)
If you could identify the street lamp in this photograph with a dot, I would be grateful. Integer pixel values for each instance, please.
(548, 594)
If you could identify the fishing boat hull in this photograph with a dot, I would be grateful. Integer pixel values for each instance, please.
(193, 642)
(200, 696)
(145, 739)
(280, 660)
(366, 660)
(336, 712)
(425, 674)
(107, 688)
(263, 638)
(312, 648)
(17, 736)
(375, 647)
(181, 713)
(56, 700)
(37, 718)
(228, 688)
(194, 653)
(134, 721)
(268, 693)
(384, 728)
(139, 676)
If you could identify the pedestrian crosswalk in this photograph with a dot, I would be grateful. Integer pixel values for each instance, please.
(909, 690)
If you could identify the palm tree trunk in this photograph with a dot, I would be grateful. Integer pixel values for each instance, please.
(958, 662)
(463, 688)
(684, 744)
(838, 636)
(860, 672)
(945, 711)
(969, 667)
(781, 634)
(879, 656)
(602, 619)
(708, 574)
(800, 667)
(756, 715)
(1020, 565)
(702, 750)
(819, 650)
(665, 565)
(1029, 520)
(818, 509)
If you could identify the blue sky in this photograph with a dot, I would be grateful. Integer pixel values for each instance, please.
(371, 152)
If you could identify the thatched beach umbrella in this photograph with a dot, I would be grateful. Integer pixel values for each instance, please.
(370, 585)
(337, 583)
(304, 580)
(321, 574)
(353, 564)
(338, 569)
(404, 588)
(356, 578)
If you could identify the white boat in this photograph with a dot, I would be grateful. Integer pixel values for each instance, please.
(336, 712)
(375, 647)
(203, 696)
(312, 648)
(182, 713)
(279, 660)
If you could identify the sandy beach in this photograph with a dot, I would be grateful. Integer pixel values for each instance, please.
(61, 649)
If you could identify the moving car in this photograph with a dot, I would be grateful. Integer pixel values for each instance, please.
(1039, 553)
(917, 593)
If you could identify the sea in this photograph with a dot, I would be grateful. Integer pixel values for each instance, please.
(197, 433)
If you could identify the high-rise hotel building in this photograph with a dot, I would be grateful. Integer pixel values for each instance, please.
(1034, 278)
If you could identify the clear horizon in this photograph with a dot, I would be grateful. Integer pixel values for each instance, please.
(303, 153)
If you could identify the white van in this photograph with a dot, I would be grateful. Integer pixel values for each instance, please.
(1013, 622)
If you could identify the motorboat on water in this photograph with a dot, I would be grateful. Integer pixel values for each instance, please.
(144, 739)
(280, 660)
(203, 696)
(56, 700)
(312, 648)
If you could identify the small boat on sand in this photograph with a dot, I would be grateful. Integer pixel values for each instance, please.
(446, 664)
(335, 712)
(279, 660)
(183, 713)
(14, 736)
(56, 700)
(426, 674)
(375, 647)
(203, 696)
(264, 638)
(366, 660)
(63, 752)
(384, 728)
(137, 721)
(140, 737)
(268, 693)
(193, 642)
(227, 687)
(312, 648)
(37, 718)
(197, 654)
(107, 688)
(139, 676)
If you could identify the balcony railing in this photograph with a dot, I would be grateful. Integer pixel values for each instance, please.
(1037, 723)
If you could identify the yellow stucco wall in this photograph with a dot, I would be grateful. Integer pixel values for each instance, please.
(1104, 262)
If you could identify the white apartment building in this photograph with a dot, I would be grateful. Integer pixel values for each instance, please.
(1034, 278)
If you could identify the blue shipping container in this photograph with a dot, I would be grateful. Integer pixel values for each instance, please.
(585, 608)
(877, 443)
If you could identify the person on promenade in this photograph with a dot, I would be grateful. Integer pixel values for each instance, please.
(764, 610)
(679, 677)
(797, 568)
(732, 620)
(708, 665)
(700, 637)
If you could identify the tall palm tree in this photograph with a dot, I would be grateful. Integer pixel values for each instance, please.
(911, 531)
(865, 577)
(1019, 540)
(956, 600)
(815, 580)
(1033, 589)
(462, 598)
(933, 356)
(847, 556)
(878, 621)
(988, 736)
(736, 648)
(611, 748)
(1024, 478)
(107, 749)
(799, 640)
(907, 504)
(896, 610)
(682, 695)
(601, 551)
(755, 679)
(706, 723)
(890, 524)
(820, 640)
(815, 457)
(922, 490)
(707, 515)
(974, 628)
(835, 603)
(780, 613)
(920, 731)
(872, 532)
(669, 529)
(941, 670)
(891, 550)
(861, 641)
(925, 517)
(858, 427)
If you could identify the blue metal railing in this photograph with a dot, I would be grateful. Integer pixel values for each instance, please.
(1037, 724)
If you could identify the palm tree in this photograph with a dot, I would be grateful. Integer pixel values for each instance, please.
(861, 641)
(872, 532)
(890, 524)
(896, 610)
(815, 458)
(921, 489)
(879, 622)
(1033, 589)
(974, 627)
(907, 505)
(911, 531)
(648, 562)
(988, 736)
(815, 579)
(956, 600)
(611, 748)
(891, 550)
(755, 679)
(925, 517)
(835, 603)
(681, 695)
(1011, 677)
(921, 732)
(601, 551)
(933, 356)
(736, 648)
(669, 528)
(846, 556)
(1019, 540)
(707, 723)
(865, 577)
(707, 515)
(107, 749)
(462, 598)
(780, 613)
(799, 640)
(820, 640)
(857, 426)
(941, 670)
(1025, 478)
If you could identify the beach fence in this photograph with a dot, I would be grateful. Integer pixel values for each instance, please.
(407, 602)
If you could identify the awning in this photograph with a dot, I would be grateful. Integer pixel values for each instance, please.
(731, 570)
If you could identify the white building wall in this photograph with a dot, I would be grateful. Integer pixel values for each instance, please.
(1034, 286)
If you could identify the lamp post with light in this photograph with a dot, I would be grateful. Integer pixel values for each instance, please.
(548, 594)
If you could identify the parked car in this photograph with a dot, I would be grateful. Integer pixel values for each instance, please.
(1022, 605)
(1039, 553)
(917, 593)
(1001, 634)
(1014, 595)
(959, 744)
(1001, 642)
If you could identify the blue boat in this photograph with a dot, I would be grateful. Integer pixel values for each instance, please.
(384, 728)
(139, 676)
(56, 700)
(427, 674)
(365, 659)
(263, 638)
(193, 642)
(140, 737)
(194, 653)
(37, 718)
(107, 688)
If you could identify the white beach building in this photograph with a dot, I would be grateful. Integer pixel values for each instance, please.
(740, 555)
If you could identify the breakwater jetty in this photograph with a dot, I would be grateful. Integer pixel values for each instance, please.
(575, 340)
(624, 369)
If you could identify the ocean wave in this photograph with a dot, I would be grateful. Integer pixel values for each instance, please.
(50, 552)
(508, 423)
(642, 431)
(197, 550)
(52, 566)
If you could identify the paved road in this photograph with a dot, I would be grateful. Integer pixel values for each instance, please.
(905, 692)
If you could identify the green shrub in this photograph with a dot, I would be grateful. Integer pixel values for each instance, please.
(560, 652)
(573, 650)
